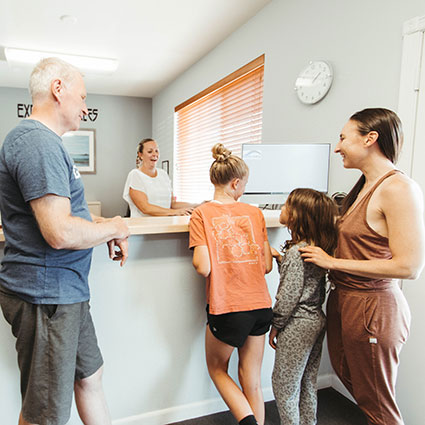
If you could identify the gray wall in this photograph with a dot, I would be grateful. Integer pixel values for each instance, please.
(361, 39)
(121, 123)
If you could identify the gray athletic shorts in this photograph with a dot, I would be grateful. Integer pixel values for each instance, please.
(56, 346)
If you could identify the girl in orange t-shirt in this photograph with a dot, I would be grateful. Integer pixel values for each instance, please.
(231, 250)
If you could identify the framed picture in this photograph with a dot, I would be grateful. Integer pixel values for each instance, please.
(166, 166)
(81, 146)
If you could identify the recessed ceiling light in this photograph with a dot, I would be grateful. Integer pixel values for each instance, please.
(89, 64)
(68, 19)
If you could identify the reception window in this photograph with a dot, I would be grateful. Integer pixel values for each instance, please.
(229, 112)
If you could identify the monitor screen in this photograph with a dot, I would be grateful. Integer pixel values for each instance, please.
(280, 168)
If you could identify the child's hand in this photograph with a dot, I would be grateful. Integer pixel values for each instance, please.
(276, 255)
(272, 337)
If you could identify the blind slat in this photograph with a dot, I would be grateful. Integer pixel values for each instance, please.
(231, 115)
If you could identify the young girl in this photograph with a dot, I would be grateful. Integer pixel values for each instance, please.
(298, 326)
(231, 250)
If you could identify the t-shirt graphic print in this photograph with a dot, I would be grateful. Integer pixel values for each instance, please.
(235, 242)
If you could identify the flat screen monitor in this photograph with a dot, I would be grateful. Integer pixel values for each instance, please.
(276, 169)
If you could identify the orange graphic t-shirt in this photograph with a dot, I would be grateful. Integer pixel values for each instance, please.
(235, 235)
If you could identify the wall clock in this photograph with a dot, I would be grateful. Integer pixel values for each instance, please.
(314, 82)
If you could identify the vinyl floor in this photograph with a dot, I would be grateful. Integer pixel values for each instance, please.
(333, 409)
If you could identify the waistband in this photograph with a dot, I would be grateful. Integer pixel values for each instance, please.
(390, 286)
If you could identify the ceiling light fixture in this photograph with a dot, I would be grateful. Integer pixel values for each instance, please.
(89, 64)
(68, 19)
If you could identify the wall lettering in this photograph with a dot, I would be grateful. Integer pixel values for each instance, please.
(24, 111)
(92, 115)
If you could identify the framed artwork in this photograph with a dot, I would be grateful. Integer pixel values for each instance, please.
(166, 166)
(81, 146)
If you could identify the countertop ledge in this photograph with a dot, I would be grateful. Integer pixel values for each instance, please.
(180, 224)
(175, 224)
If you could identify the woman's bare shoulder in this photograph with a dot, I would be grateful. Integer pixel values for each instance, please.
(400, 187)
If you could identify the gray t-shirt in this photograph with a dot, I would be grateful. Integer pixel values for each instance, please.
(34, 163)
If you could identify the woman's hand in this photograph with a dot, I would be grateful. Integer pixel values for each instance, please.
(272, 337)
(316, 255)
(183, 211)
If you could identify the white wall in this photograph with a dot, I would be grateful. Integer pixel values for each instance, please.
(361, 39)
(412, 109)
(122, 122)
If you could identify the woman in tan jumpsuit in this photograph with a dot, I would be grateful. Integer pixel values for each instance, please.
(381, 239)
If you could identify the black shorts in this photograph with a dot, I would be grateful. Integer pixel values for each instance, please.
(234, 328)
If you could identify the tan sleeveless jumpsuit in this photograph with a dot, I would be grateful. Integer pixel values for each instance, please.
(368, 320)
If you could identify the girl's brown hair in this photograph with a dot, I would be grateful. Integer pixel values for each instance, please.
(390, 140)
(226, 166)
(312, 217)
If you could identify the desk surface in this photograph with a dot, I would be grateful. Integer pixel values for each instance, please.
(176, 224)
(179, 224)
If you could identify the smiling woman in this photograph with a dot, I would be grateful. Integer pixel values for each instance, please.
(381, 239)
(148, 189)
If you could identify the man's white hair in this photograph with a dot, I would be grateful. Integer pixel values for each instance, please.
(48, 70)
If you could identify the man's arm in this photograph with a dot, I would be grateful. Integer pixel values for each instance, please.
(61, 230)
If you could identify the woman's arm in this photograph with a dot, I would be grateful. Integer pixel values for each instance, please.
(201, 260)
(401, 205)
(179, 205)
(140, 199)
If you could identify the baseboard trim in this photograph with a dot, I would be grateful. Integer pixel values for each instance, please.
(175, 414)
(339, 386)
(198, 409)
(183, 412)
(324, 381)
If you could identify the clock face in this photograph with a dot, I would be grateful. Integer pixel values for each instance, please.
(314, 81)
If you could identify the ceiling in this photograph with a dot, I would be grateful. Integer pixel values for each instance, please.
(153, 40)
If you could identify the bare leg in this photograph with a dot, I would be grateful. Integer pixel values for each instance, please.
(250, 360)
(90, 400)
(218, 354)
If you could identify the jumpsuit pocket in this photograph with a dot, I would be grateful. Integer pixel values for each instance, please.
(370, 311)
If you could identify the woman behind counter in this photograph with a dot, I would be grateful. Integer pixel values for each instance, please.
(148, 189)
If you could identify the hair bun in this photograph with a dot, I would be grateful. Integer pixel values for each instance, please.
(220, 153)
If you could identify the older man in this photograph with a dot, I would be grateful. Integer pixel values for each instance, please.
(49, 236)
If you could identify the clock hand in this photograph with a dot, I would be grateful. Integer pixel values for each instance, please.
(314, 79)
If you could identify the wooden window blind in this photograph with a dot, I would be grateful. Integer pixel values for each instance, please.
(229, 112)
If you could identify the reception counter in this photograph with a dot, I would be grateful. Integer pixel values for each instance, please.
(176, 224)
(150, 320)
